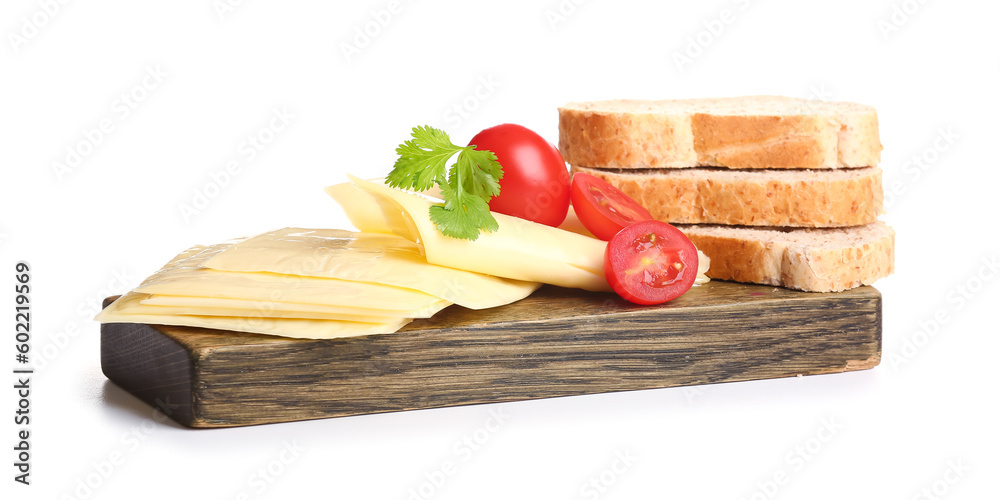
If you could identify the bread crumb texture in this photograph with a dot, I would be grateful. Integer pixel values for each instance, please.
(814, 260)
(768, 132)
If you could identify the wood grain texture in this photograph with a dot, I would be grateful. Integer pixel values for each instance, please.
(558, 342)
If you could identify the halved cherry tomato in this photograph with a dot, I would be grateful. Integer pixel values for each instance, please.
(602, 208)
(650, 262)
(535, 183)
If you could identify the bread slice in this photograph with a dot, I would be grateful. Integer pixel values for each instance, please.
(799, 198)
(735, 132)
(814, 260)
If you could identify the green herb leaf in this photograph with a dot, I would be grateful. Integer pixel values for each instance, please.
(421, 162)
(471, 181)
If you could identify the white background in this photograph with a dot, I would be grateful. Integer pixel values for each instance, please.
(115, 217)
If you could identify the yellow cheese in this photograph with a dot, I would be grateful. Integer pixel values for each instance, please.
(263, 312)
(241, 307)
(286, 327)
(519, 249)
(364, 257)
(366, 212)
(703, 263)
(185, 276)
(573, 224)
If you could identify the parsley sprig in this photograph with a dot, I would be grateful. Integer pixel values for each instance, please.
(471, 181)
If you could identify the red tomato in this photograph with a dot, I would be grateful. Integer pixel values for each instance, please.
(650, 262)
(535, 183)
(602, 208)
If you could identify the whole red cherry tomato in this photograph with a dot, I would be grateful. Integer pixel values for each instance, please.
(535, 183)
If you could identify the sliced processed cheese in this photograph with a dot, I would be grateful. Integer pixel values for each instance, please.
(364, 257)
(264, 312)
(519, 249)
(285, 288)
(186, 277)
(286, 327)
(250, 307)
(366, 213)
(703, 264)
(573, 224)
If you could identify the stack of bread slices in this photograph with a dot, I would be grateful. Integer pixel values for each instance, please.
(775, 190)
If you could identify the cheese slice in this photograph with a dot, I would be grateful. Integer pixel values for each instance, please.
(241, 307)
(264, 312)
(573, 224)
(186, 276)
(519, 249)
(118, 312)
(365, 257)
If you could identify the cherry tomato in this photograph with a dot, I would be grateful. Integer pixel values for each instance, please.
(650, 262)
(535, 183)
(602, 208)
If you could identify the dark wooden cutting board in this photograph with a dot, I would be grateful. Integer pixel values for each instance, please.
(558, 342)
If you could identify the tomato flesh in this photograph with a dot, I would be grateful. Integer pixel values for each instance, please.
(602, 208)
(650, 262)
(535, 183)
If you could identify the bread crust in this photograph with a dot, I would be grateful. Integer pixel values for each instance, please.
(776, 132)
(755, 198)
(738, 254)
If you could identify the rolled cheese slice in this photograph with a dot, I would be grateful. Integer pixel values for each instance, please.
(519, 249)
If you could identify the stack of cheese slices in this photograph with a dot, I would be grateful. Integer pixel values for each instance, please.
(775, 190)
(308, 283)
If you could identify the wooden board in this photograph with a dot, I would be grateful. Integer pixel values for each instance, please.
(558, 342)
